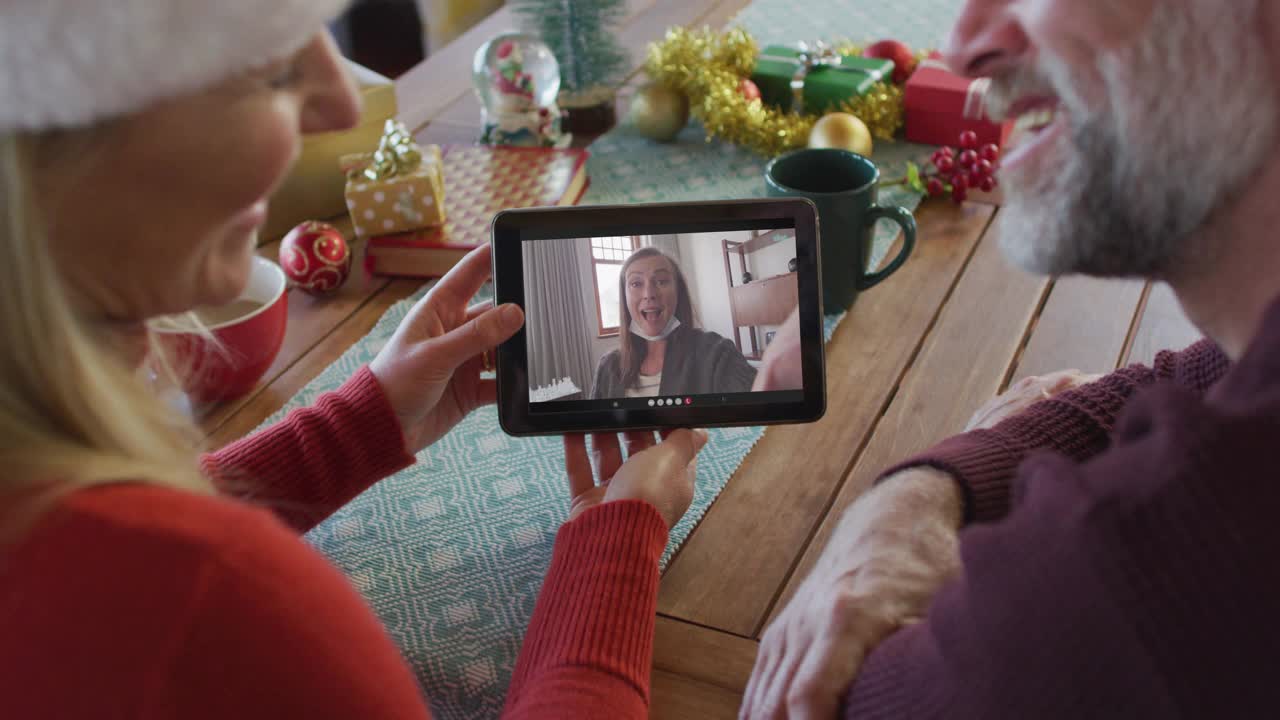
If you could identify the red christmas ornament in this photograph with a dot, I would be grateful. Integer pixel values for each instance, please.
(316, 258)
(749, 90)
(904, 61)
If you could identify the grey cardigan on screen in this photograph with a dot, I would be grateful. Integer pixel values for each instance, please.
(698, 362)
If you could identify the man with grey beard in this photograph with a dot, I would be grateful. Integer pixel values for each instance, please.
(1117, 556)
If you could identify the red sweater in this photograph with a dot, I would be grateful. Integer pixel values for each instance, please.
(1131, 573)
(134, 601)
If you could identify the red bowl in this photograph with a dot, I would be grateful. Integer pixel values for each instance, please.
(246, 343)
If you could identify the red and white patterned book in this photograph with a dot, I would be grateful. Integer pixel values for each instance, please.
(480, 181)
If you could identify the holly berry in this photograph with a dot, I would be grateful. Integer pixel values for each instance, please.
(961, 171)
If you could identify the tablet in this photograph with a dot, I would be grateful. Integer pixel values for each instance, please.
(658, 316)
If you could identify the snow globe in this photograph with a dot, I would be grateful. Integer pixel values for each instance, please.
(518, 80)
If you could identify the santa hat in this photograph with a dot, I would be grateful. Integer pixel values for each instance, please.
(69, 63)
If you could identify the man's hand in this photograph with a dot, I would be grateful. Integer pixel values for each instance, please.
(782, 367)
(893, 549)
(1025, 393)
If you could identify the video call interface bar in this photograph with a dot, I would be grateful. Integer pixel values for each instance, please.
(671, 402)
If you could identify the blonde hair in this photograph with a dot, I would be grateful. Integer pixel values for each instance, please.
(73, 411)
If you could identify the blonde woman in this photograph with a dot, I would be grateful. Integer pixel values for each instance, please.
(139, 141)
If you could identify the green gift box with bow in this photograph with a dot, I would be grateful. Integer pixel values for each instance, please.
(819, 77)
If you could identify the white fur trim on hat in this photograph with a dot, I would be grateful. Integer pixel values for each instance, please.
(67, 63)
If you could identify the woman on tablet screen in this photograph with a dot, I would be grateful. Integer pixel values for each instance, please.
(660, 351)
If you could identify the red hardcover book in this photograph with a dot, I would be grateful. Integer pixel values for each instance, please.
(479, 181)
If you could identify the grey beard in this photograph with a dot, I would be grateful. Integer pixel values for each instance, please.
(1137, 197)
(1084, 222)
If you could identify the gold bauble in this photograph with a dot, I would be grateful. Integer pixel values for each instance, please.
(843, 132)
(659, 112)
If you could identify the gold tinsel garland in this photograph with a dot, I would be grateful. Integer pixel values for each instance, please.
(709, 68)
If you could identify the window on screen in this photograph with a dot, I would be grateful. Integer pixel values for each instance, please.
(607, 256)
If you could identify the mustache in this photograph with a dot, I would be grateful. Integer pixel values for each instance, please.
(1008, 88)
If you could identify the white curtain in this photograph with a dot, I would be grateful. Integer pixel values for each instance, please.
(555, 316)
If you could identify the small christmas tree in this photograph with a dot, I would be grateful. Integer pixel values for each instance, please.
(581, 35)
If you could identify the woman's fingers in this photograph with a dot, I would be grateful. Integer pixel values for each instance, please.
(478, 309)
(486, 392)
(462, 282)
(478, 335)
(638, 441)
(606, 455)
(485, 360)
(577, 465)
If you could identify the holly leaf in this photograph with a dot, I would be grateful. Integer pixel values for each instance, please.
(914, 180)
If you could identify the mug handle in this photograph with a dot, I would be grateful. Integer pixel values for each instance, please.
(908, 223)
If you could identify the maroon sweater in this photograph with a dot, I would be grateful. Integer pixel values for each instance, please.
(1121, 560)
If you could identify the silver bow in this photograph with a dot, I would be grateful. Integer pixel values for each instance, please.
(808, 59)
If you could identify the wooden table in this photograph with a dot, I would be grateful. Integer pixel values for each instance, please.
(906, 368)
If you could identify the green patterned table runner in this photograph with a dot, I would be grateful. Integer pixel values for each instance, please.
(451, 552)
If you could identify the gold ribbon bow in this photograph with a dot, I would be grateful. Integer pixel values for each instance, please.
(397, 154)
(821, 55)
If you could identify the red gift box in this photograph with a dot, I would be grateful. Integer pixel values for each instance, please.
(940, 105)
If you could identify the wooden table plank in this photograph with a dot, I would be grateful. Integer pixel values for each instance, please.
(788, 481)
(443, 133)
(435, 83)
(675, 697)
(1084, 325)
(703, 654)
(723, 14)
(963, 362)
(1163, 326)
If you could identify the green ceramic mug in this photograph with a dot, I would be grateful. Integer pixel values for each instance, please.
(844, 185)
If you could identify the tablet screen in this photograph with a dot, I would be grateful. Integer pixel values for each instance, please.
(656, 321)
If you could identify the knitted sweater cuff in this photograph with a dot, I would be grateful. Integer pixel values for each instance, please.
(597, 607)
(317, 458)
(980, 464)
(895, 682)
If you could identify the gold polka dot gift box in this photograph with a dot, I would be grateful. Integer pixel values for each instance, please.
(398, 188)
